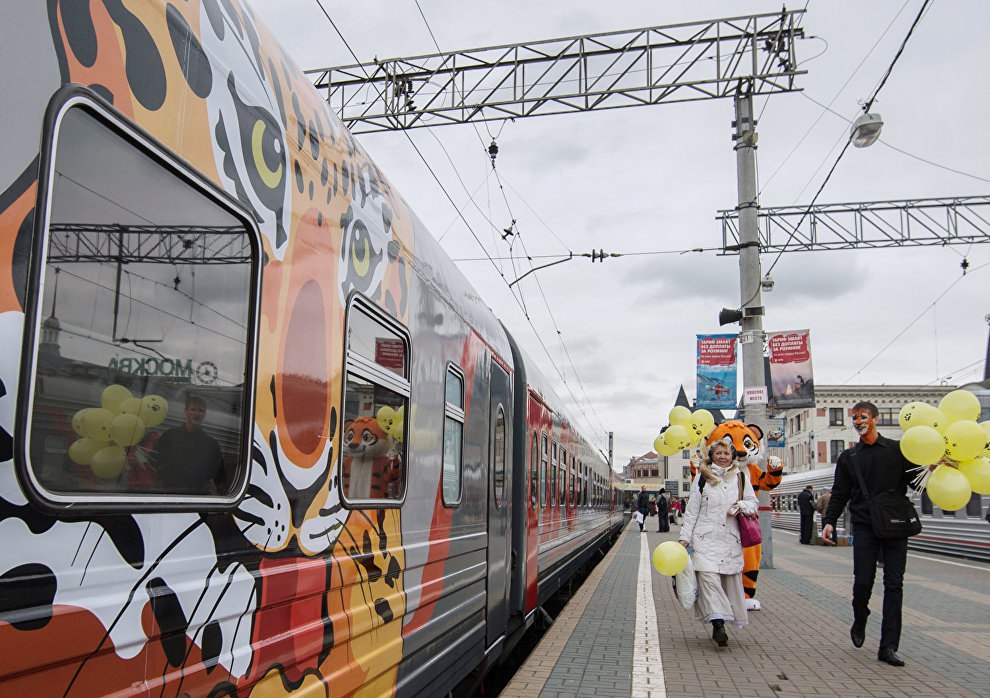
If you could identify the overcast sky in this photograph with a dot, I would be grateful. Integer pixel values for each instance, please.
(652, 179)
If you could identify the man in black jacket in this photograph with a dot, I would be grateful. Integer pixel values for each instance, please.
(883, 468)
(806, 508)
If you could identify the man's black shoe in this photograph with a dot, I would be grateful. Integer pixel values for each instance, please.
(890, 656)
(858, 634)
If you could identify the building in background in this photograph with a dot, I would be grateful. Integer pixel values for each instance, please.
(817, 435)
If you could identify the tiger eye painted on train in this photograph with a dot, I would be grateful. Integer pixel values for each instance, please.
(258, 435)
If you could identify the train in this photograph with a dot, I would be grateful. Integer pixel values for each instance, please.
(963, 533)
(258, 434)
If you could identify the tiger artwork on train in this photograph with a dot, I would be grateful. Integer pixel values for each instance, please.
(209, 85)
(747, 443)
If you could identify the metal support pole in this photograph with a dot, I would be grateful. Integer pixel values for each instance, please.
(751, 337)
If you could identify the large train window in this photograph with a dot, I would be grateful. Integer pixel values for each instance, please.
(544, 466)
(453, 436)
(141, 321)
(553, 473)
(534, 472)
(376, 398)
(498, 458)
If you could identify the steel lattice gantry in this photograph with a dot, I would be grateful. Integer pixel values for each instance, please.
(149, 243)
(675, 63)
(907, 223)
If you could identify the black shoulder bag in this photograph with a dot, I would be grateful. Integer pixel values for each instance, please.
(891, 513)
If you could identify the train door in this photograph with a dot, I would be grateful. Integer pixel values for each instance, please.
(499, 487)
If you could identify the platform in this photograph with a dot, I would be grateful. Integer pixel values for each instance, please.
(624, 633)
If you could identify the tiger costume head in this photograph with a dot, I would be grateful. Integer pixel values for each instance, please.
(745, 439)
(365, 438)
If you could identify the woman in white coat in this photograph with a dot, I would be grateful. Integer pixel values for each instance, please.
(711, 529)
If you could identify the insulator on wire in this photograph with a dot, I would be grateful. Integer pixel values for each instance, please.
(493, 151)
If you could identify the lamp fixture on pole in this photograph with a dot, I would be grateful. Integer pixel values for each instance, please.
(866, 130)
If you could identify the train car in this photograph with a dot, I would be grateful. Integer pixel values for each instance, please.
(963, 533)
(258, 435)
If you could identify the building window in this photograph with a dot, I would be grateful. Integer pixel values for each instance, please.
(835, 447)
(836, 417)
(888, 417)
(138, 389)
(686, 472)
(453, 436)
(376, 396)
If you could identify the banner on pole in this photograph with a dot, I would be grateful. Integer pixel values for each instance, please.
(717, 371)
(791, 378)
(776, 436)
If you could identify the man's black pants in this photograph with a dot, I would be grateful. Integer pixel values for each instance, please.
(807, 521)
(866, 551)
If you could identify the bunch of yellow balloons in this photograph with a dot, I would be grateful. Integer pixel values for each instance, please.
(949, 435)
(687, 429)
(108, 430)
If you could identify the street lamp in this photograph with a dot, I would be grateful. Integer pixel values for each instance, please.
(866, 130)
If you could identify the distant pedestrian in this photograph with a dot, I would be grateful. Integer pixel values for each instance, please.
(675, 509)
(642, 506)
(883, 468)
(806, 508)
(821, 506)
(663, 512)
(720, 491)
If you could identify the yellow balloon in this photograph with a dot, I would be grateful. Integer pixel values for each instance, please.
(907, 415)
(663, 448)
(964, 440)
(948, 488)
(82, 450)
(985, 426)
(922, 445)
(677, 435)
(126, 429)
(702, 422)
(928, 416)
(113, 395)
(670, 558)
(96, 423)
(78, 421)
(960, 405)
(108, 463)
(131, 405)
(680, 416)
(977, 471)
(154, 410)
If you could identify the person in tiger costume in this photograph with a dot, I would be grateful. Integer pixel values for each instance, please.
(747, 441)
(370, 463)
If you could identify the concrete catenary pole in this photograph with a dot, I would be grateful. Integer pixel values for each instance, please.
(751, 337)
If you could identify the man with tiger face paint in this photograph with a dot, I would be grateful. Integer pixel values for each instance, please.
(883, 467)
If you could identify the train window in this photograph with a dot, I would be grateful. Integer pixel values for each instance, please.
(376, 397)
(563, 477)
(926, 503)
(534, 472)
(453, 436)
(973, 505)
(553, 473)
(544, 467)
(574, 482)
(498, 458)
(143, 317)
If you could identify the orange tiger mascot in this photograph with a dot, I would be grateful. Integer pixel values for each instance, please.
(747, 441)
(370, 465)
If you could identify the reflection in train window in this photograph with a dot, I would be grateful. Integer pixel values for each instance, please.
(144, 321)
(453, 436)
(376, 399)
(498, 458)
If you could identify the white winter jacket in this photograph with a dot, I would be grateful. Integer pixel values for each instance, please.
(707, 525)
